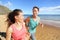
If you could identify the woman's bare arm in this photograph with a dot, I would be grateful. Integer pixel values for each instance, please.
(8, 33)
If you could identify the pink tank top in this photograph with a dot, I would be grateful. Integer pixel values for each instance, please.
(18, 34)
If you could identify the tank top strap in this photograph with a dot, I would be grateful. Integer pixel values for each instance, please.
(12, 26)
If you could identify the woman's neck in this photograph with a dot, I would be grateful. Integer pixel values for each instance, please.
(19, 22)
(18, 25)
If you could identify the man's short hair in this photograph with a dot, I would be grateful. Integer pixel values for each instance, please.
(36, 7)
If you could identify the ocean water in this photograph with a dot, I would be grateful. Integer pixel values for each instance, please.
(47, 17)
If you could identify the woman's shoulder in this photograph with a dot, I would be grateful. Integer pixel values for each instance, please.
(9, 29)
(11, 25)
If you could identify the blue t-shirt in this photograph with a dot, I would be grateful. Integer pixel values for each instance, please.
(33, 24)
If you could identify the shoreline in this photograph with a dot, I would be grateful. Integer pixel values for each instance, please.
(51, 22)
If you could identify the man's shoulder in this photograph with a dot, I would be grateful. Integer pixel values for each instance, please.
(29, 17)
(38, 17)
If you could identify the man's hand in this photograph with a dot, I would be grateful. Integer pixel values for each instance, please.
(41, 25)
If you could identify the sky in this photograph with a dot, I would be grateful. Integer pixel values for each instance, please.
(46, 6)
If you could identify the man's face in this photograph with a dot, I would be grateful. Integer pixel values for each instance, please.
(35, 11)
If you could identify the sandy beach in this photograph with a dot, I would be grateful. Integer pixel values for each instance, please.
(50, 31)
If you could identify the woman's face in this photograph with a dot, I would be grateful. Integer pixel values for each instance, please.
(35, 12)
(20, 17)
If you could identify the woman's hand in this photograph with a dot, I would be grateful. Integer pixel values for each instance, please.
(27, 36)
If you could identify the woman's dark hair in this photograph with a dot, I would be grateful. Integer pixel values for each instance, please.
(36, 7)
(11, 16)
